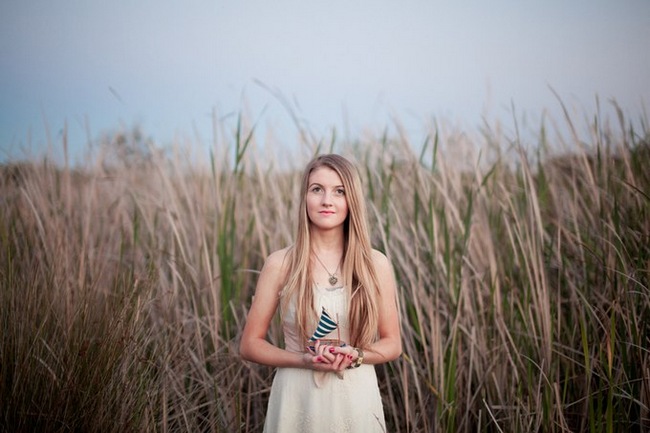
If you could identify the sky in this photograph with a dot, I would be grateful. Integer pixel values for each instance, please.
(172, 68)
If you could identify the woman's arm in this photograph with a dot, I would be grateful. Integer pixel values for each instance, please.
(254, 346)
(389, 345)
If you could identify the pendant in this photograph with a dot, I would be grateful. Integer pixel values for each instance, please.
(333, 279)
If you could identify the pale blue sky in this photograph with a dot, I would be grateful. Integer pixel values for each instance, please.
(168, 65)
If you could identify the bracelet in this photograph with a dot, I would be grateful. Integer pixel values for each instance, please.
(359, 360)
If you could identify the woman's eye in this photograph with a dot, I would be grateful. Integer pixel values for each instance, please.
(316, 189)
(340, 191)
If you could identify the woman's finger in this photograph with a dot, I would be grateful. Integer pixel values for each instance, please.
(325, 352)
(339, 362)
(345, 350)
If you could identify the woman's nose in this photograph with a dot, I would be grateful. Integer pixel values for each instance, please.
(327, 199)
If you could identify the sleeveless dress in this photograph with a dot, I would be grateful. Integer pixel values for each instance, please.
(306, 401)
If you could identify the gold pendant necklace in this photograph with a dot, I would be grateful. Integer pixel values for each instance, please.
(333, 279)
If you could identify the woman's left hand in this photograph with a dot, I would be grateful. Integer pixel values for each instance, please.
(348, 352)
(333, 358)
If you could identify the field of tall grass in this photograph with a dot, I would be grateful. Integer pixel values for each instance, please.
(523, 273)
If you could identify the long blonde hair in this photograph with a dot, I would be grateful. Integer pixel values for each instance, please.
(358, 269)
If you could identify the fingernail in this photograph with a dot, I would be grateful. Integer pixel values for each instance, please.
(319, 359)
(331, 350)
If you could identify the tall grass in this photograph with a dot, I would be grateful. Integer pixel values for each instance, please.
(523, 282)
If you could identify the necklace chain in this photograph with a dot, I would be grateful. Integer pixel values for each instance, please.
(333, 279)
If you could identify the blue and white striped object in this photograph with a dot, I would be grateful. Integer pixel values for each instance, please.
(325, 325)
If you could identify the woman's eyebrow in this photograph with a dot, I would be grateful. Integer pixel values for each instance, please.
(318, 184)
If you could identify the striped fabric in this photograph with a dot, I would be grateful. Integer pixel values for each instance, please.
(325, 325)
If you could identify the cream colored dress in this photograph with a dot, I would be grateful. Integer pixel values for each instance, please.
(306, 401)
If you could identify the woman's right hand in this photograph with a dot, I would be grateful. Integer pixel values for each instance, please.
(324, 358)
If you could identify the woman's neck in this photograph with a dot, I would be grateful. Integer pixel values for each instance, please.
(327, 242)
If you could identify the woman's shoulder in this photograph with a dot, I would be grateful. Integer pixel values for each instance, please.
(384, 272)
(379, 258)
(275, 269)
(278, 260)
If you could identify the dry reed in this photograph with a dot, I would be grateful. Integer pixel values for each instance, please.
(523, 277)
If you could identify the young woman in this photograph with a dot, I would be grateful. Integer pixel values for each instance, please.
(326, 382)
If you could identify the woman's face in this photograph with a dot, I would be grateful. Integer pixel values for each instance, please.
(327, 206)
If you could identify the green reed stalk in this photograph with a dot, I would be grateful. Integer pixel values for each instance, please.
(523, 284)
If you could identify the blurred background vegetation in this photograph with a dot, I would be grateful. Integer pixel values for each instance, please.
(522, 271)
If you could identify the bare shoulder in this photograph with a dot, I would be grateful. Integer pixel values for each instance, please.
(278, 258)
(272, 276)
(385, 273)
(277, 262)
(380, 260)
(383, 266)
